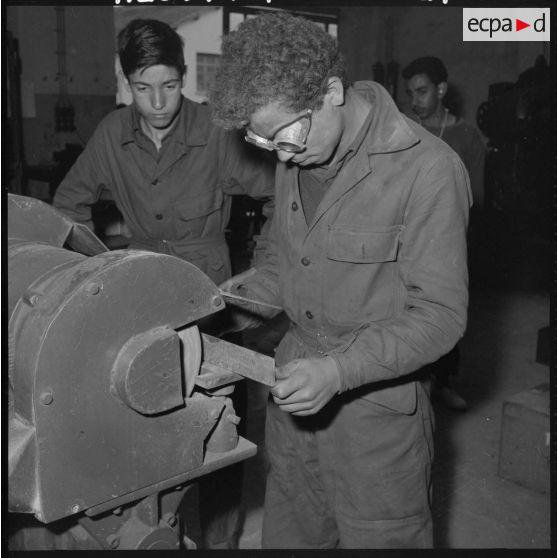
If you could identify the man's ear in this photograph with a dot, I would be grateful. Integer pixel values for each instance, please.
(126, 83)
(335, 91)
(183, 80)
(442, 89)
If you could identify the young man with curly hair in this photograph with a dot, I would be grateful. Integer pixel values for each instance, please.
(367, 256)
(171, 173)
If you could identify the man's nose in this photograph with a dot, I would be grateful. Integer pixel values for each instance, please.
(284, 156)
(157, 100)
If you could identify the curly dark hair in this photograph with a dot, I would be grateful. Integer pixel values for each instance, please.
(430, 65)
(150, 42)
(273, 57)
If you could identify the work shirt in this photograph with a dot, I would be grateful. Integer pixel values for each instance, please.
(176, 200)
(467, 142)
(378, 278)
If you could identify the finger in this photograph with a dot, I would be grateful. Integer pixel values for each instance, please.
(284, 372)
(300, 409)
(236, 279)
(308, 413)
(226, 285)
(292, 408)
(287, 387)
(247, 273)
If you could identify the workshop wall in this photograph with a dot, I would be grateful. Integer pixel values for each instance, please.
(91, 82)
(367, 35)
(401, 34)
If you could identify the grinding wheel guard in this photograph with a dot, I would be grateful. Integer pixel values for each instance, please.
(104, 351)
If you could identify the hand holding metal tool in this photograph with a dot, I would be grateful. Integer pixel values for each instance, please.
(243, 300)
(248, 311)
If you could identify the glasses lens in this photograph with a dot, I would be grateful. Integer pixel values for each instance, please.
(290, 147)
(292, 138)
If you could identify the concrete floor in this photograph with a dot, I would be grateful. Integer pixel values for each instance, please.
(473, 507)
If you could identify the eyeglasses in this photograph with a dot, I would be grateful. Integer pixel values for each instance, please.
(290, 138)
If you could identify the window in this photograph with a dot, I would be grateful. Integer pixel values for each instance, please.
(206, 66)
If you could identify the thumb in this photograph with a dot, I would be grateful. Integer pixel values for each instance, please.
(234, 281)
(283, 372)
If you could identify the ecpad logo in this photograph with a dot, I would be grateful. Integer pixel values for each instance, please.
(506, 24)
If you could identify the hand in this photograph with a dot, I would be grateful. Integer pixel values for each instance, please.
(231, 285)
(305, 385)
(241, 314)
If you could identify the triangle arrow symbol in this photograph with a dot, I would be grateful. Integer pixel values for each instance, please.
(519, 25)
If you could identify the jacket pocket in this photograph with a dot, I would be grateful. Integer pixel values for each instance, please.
(360, 278)
(346, 245)
(396, 399)
(196, 215)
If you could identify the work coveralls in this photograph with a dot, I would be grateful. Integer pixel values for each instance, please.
(378, 281)
(176, 201)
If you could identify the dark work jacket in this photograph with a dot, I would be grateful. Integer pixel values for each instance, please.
(378, 278)
(467, 142)
(179, 204)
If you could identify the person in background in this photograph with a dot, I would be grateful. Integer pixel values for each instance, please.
(366, 254)
(171, 173)
(427, 86)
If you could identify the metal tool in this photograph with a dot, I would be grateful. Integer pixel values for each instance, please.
(229, 357)
(226, 294)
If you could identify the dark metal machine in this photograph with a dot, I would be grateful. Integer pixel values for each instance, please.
(116, 402)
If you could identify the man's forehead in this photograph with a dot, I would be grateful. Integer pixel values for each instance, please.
(273, 109)
(155, 72)
(270, 117)
(419, 80)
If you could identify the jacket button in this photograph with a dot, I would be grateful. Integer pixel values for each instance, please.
(158, 216)
(309, 315)
(305, 261)
(154, 182)
(294, 206)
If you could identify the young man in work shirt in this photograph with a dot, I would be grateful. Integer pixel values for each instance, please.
(427, 86)
(171, 173)
(367, 256)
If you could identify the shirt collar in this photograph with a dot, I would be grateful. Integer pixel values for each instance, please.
(388, 131)
(329, 172)
(193, 120)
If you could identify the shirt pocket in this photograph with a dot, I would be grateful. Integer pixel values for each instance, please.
(361, 276)
(194, 211)
(354, 246)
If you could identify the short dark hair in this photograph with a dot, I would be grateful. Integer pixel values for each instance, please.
(430, 65)
(273, 57)
(149, 42)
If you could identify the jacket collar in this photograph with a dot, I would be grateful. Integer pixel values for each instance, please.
(192, 127)
(388, 132)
